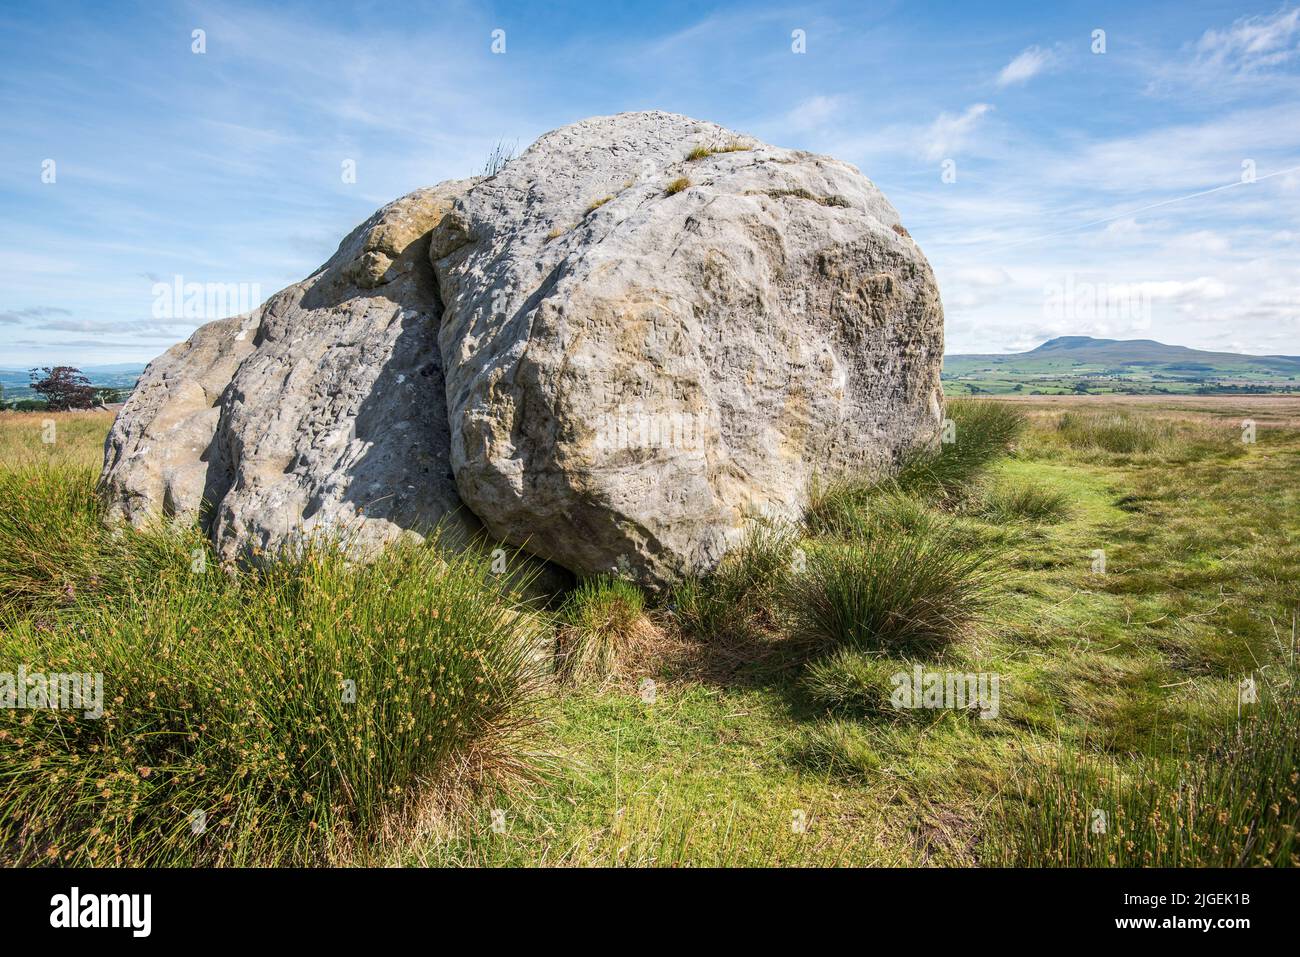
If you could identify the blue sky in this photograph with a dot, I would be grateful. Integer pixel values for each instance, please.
(1152, 190)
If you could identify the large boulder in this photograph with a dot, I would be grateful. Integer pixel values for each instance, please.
(645, 345)
(613, 352)
(321, 412)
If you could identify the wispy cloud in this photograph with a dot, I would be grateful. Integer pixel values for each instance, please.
(32, 312)
(1253, 43)
(949, 133)
(1025, 66)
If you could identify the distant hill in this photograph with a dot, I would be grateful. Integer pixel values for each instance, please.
(1085, 364)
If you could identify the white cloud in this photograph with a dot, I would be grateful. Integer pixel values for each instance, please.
(948, 133)
(1200, 240)
(1028, 64)
(812, 112)
(1253, 43)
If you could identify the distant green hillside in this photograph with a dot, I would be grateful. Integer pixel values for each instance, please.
(1081, 364)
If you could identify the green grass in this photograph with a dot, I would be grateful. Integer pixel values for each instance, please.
(893, 590)
(1236, 805)
(850, 682)
(976, 434)
(1036, 503)
(303, 710)
(298, 709)
(1115, 687)
(981, 431)
(602, 622)
(739, 599)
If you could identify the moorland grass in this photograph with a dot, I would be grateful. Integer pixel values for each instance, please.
(1034, 503)
(739, 598)
(1237, 805)
(602, 622)
(1098, 670)
(893, 589)
(982, 431)
(294, 711)
(850, 682)
(297, 711)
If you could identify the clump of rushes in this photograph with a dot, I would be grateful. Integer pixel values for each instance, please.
(596, 204)
(602, 625)
(1114, 432)
(55, 550)
(853, 683)
(738, 598)
(676, 186)
(1037, 504)
(844, 507)
(280, 717)
(895, 590)
(982, 432)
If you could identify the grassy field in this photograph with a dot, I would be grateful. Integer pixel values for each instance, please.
(1120, 567)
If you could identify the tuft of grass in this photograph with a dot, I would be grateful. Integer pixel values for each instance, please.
(292, 712)
(739, 596)
(55, 551)
(850, 682)
(596, 204)
(676, 186)
(840, 747)
(887, 589)
(704, 152)
(982, 432)
(1114, 432)
(602, 621)
(501, 155)
(1038, 504)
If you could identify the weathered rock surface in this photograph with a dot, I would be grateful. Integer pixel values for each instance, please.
(608, 371)
(324, 405)
(633, 367)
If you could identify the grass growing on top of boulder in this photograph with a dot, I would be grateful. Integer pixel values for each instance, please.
(704, 152)
(677, 185)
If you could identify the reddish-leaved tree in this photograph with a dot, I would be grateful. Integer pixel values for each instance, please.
(63, 387)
